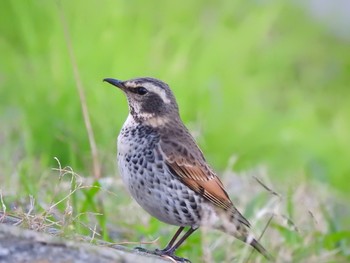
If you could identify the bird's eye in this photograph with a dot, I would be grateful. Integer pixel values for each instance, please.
(141, 90)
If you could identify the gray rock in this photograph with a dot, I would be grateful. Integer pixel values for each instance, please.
(22, 245)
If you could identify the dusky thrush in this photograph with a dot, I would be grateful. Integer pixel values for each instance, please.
(165, 171)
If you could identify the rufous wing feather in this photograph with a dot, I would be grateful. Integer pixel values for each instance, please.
(191, 168)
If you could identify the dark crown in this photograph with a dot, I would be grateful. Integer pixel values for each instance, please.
(148, 98)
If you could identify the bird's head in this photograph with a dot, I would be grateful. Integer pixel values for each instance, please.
(150, 100)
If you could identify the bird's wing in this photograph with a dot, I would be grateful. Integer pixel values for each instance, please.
(186, 161)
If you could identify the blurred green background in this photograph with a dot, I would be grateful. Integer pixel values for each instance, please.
(261, 80)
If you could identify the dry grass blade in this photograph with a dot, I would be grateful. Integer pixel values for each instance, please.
(95, 160)
(266, 187)
(3, 213)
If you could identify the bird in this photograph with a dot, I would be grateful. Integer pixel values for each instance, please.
(165, 171)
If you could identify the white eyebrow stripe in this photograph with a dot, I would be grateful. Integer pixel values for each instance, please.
(153, 88)
(157, 90)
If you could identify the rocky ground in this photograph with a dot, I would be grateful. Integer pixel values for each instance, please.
(22, 245)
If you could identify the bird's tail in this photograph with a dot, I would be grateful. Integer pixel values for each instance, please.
(242, 233)
(258, 247)
(238, 226)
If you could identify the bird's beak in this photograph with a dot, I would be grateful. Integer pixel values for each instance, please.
(115, 82)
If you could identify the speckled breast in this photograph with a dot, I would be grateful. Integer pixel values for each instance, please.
(148, 179)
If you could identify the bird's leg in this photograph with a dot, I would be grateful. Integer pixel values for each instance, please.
(170, 250)
(172, 241)
(161, 251)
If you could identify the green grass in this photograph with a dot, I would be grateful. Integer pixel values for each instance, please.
(260, 81)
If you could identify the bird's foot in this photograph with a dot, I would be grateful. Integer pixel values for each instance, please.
(170, 253)
(164, 253)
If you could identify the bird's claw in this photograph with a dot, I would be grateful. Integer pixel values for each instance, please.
(170, 254)
(163, 253)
